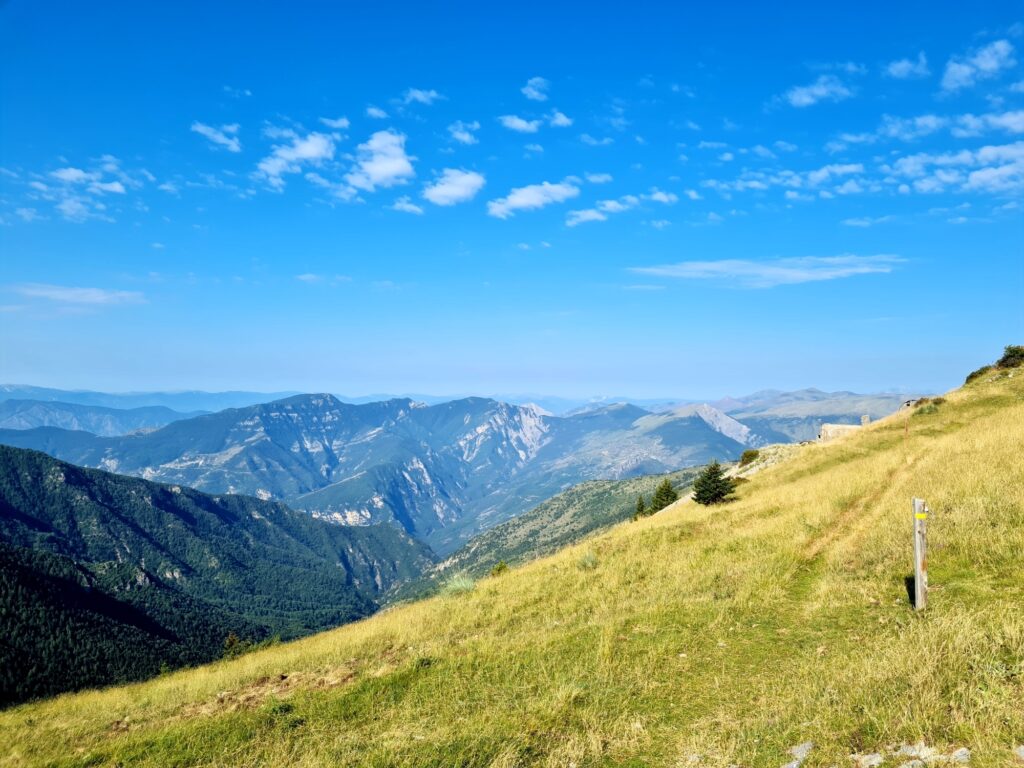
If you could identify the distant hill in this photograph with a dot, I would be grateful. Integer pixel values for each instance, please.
(99, 420)
(797, 416)
(187, 401)
(104, 578)
(561, 520)
(443, 472)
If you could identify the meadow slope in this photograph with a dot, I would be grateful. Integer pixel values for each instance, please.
(727, 635)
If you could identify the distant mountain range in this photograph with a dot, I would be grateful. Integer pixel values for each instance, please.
(184, 402)
(442, 472)
(100, 420)
(93, 563)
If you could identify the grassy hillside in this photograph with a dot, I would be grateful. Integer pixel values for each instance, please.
(561, 520)
(712, 635)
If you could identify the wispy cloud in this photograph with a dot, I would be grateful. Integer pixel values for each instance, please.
(747, 273)
(604, 208)
(337, 123)
(406, 205)
(454, 186)
(225, 136)
(825, 88)
(559, 119)
(591, 141)
(63, 294)
(376, 113)
(312, 149)
(536, 89)
(464, 133)
(519, 124)
(865, 221)
(420, 96)
(532, 197)
(904, 69)
(980, 64)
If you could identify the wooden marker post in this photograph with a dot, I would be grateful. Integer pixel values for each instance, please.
(920, 555)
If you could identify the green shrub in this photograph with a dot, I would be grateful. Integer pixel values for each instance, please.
(749, 456)
(977, 374)
(588, 562)
(1013, 357)
(499, 568)
(459, 584)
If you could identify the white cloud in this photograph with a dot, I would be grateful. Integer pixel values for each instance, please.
(454, 186)
(376, 113)
(603, 208)
(660, 223)
(598, 178)
(825, 88)
(419, 96)
(515, 123)
(381, 162)
(74, 175)
(746, 273)
(405, 205)
(980, 64)
(27, 214)
(312, 149)
(536, 89)
(82, 296)
(309, 277)
(464, 132)
(226, 136)
(693, 194)
(559, 120)
(337, 123)
(785, 146)
(662, 197)
(590, 141)
(534, 148)
(575, 218)
(532, 197)
(865, 221)
(908, 129)
(975, 125)
(104, 187)
(992, 169)
(903, 69)
(712, 145)
(726, 157)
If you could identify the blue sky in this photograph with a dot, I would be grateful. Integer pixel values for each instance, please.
(573, 200)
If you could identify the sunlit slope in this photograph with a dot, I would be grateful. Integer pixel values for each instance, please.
(731, 633)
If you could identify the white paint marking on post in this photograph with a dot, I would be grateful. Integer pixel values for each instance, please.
(920, 555)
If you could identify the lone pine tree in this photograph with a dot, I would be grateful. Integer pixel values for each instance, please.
(712, 486)
(641, 507)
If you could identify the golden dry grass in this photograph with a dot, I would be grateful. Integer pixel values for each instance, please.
(730, 633)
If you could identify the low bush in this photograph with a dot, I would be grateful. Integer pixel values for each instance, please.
(588, 562)
(749, 456)
(459, 584)
(499, 568)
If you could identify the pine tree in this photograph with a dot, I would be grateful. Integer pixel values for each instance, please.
(712, 486)
(641, 507)
(664, 495)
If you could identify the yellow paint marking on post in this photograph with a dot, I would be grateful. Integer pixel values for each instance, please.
(921, 516)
